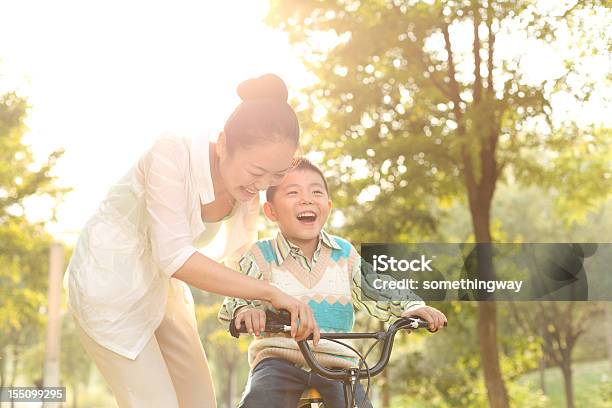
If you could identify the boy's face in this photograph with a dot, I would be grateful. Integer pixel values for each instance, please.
(300, 206)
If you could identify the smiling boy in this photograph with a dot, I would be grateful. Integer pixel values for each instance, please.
(319, 269)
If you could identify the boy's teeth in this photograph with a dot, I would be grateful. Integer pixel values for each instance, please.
(307, 215)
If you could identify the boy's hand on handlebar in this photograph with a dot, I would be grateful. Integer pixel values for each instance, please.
(434, 317)
(254, 319)
(299, 311)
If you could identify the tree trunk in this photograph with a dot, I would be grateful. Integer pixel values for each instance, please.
(230, 384)
(566, 369)
(608, 328)
(542, 365)
(14, 371)
(2, 367)
(480, 184)
(542, 371)
(75, 394)
(487, 314)
(487, 334)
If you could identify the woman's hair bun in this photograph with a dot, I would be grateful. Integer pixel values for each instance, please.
(268, 86)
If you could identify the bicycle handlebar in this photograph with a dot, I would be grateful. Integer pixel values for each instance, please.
(278, 324)
(387, 338)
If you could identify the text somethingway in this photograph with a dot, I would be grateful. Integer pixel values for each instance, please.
(463, 284)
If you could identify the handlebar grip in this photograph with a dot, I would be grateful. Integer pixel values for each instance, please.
(270, 328)
(275, 323)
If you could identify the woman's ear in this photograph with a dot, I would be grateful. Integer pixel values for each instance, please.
(221, 147)
(269, 211)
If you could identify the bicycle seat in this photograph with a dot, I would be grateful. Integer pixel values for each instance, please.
(310, 395)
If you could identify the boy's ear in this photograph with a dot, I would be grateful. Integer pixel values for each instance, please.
(269, 211)
(220, 147)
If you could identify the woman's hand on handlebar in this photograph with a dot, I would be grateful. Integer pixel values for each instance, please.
(299, 310)
(254, 319)
(434, 317)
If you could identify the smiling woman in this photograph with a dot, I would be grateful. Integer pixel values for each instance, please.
(127, 275)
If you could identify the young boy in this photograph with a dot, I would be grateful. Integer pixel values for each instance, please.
(320, 269)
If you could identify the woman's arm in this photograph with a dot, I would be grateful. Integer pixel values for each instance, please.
(206, 274)
(246, 266)
(170, 235)
(211, 276)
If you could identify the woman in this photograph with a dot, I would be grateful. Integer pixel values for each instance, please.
(126, 279)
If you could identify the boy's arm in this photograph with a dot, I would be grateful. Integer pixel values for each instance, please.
(230, 306)
(381, 309)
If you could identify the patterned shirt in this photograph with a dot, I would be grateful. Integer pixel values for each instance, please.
(330, 283)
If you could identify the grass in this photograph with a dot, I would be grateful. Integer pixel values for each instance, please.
(592, 385)
(592, 389)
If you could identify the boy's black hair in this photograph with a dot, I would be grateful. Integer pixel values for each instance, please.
(301, 163)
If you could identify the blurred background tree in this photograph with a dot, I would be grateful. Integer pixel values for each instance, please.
(23, 244)
(419, 104)
(24, 260)
(227, 356)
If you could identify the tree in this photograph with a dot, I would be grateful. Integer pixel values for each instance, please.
(416, 106)
(227, 354)
(23, 245)
(75, 364)
(559, 325)
(608, 328)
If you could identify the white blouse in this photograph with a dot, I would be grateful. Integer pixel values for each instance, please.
(146, 228)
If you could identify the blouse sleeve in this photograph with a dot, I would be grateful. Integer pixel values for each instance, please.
(165, 186)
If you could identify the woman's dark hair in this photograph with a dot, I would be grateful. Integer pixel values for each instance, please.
(263, 115)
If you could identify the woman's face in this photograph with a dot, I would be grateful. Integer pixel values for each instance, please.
(246, 171)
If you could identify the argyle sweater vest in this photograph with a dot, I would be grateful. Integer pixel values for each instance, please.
(326, 289)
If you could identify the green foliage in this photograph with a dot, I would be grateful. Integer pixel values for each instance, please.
(419, 125)
(592, 385)
(23, 273)
(406, 127)
(76, 365)
(24, 245)
(456, 349)
(226, 355)
(19, 177)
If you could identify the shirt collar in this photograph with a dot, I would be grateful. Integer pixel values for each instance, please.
(200, 168)
(284, 246)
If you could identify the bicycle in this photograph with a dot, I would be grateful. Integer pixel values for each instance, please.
(279, 323)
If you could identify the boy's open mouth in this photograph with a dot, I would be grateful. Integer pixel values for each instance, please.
(307, 217)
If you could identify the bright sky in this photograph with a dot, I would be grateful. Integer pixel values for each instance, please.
(104, 79)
